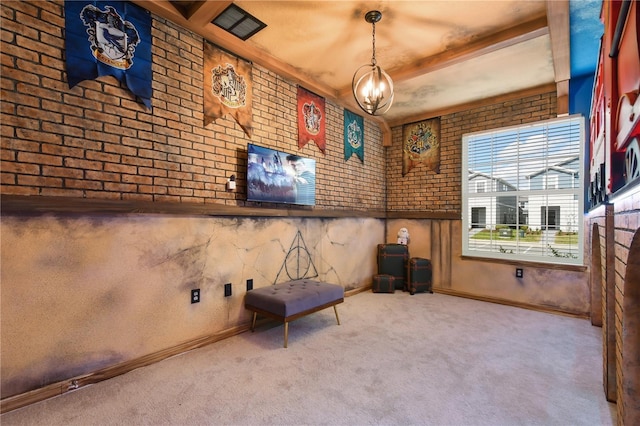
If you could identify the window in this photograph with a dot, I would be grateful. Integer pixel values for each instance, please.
(532, 203)
(550, 181)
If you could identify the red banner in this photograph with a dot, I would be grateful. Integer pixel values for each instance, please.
(311, 119)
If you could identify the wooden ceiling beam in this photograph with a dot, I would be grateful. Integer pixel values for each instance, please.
(203, 12)
(559, 32)
(506, 38)
(500, 40)
(216, 35)
(558, 17)
(163, 8)
(545, 88)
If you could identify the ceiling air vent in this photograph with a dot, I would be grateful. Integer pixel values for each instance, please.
(238, 22)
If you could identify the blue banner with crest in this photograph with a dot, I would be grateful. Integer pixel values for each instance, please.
(109, 38)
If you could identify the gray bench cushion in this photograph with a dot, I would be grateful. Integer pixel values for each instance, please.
(293, 297)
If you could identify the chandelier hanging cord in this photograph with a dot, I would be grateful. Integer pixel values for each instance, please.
(373, 20)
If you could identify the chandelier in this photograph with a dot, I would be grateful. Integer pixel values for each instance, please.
(372, 87)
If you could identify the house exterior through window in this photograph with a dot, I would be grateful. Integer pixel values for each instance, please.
(522, 192)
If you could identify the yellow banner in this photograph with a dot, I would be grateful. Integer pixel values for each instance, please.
(421, 144)
(227, 87)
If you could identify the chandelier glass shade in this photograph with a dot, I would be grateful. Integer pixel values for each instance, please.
(372, 87)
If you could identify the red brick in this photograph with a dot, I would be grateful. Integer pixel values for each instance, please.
(145, 171)
(62, 192)
(144, 180)
(39, 181)
(62, 151)
(20, 168)
(83, 184)
(120, 187)
(78, 163)
(102, 176)
(35, 158)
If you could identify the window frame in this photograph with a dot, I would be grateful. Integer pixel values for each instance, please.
(492, 199)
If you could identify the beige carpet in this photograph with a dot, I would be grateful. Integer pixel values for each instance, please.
(397, 359)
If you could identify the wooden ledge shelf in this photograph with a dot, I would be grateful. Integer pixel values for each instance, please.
(37, 205)
(40, 205)
(530, 264)
(408, 214)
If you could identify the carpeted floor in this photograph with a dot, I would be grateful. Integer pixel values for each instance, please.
(428, 359)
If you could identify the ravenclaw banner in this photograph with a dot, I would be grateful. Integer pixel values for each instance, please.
(311, 119)
(353, 135)
(109, 38)
(227, 87)
(421, 144)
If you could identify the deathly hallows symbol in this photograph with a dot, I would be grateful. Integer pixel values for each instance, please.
(298, 263)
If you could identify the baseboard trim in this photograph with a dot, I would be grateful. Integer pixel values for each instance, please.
(355, 291)
(549, 309)
(74, 383)
(69, 385)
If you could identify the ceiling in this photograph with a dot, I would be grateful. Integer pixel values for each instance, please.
(443, 56)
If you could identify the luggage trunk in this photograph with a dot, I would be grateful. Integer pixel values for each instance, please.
(383, 284)
(420, 275)
(393, 260)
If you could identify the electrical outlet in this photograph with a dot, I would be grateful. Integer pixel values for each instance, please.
(519, 273)
(227, 290)
(250, 284)
(195, 295)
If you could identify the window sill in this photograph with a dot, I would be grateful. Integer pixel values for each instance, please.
(557, 266)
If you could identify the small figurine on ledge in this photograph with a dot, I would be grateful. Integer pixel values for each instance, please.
(403, 236)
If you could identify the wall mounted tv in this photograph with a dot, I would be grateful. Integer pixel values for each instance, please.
(277, 177)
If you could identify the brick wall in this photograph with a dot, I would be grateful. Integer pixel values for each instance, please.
(617, 223)
(602, 219)
(96, 141)
(424, 190)
(626, 225)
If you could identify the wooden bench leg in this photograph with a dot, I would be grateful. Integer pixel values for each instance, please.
(286, 333)
(253, 322)
(336, 311)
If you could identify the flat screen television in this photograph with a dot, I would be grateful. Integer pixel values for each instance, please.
(277, 177)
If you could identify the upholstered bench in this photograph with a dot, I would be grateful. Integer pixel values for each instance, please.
(292, 300)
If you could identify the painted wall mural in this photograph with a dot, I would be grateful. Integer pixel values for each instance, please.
(614, 146)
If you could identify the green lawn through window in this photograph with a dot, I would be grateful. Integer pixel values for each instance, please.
(534, 237)
(486, 234)
(566, 238)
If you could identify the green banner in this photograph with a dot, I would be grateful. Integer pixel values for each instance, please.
(353, 135)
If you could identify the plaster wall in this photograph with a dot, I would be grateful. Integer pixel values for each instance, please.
(91, 292)
(565, 290)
